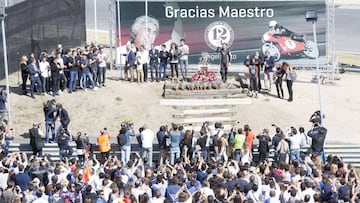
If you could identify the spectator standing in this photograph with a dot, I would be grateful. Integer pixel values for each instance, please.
(174, 143)
(81, 142)
(63, 80)
(22, 179)
(279, 74)
(289, 80)
(184, 58)
(63, 115)
(142, 63)
(154, 63)
(55, 66)
(225, 60)
(249, 136)
(36, 140)
(126, 148)
(264, 141)
(34, 78)
(239, 141)
(8, 195)
(163, 56)
(86, 74)
(253, 77)
(147, 138)
(269, 63)
(24, 72)
(49, 112)
(161, 137)
(2, 104)
(101, 60)
(174, 60)
(258, 61)
(45, 70)
(63, 143)
(103, 141)
(130, 60)
(72, 64)
(283, 149)
(295, 141)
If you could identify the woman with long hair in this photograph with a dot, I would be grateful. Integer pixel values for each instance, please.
(174, 60)
(24, 72)
(289, 79)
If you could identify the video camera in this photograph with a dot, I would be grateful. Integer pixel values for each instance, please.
(315, 118)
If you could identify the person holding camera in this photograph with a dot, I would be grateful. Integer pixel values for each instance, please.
(295, 140)
(104, 144)
(128, 129)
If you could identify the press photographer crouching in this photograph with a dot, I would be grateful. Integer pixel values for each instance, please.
(318, 135)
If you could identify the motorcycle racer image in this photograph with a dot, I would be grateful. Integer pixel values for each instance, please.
(280, 41)
(282, 31)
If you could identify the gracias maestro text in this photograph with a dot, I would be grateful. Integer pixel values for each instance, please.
(227, 12)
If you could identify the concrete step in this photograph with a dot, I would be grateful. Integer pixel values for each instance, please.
(205, 102)
(203, 113)
(210, 119)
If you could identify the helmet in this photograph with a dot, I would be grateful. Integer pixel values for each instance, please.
(272, 23)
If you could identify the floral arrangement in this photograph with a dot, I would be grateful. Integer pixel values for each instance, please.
(203, 75)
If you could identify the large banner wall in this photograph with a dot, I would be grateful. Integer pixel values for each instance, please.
(206, 24)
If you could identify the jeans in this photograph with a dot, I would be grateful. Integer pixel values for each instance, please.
(279, 89)
(174, 66)
(33, 80)
(24, 78)
(237, 155)
(148, 153)
(174, 154)
(154, 68)
(101, 75)
(73, 79)
(295, 153)
(289, 84)
(62, 81)
(253, 84)
(125, 154)
(223, 72)
(49, 125)
(87, 75)
(268, 78)
(162, 69)
(183, 68)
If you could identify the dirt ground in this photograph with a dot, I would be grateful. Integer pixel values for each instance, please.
(119, 100)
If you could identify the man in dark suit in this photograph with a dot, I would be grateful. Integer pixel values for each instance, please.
(63, 115)
(154, 63)
(36, 140)
(129, 64)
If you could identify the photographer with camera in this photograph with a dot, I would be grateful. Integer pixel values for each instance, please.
(318, 134)
(127, 130)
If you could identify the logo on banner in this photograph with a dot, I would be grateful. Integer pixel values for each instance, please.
(217, 33)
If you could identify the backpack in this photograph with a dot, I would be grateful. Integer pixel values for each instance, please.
(253, 71)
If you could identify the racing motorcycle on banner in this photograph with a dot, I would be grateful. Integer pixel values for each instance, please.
(280, 45)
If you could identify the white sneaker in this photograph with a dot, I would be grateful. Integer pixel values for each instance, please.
(85, 90)
(95, 88)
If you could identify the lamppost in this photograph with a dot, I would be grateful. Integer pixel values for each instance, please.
(311, 16)
(2, 17)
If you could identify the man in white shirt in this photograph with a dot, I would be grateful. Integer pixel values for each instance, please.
(142, 63)
(184, 53)
(295, 141)
(147, 138)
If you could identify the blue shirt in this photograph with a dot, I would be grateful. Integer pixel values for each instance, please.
(127, 136)
(175, 138)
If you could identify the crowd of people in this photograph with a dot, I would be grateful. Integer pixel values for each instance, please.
(64, 70)
(213, 165)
